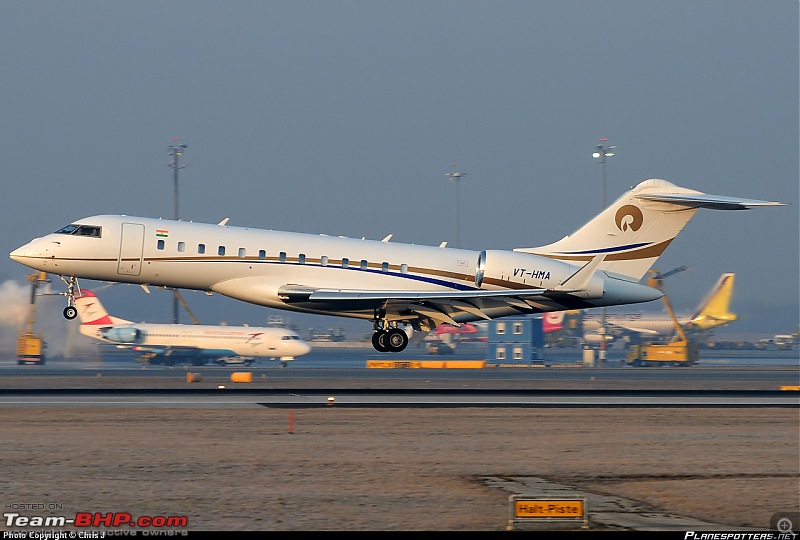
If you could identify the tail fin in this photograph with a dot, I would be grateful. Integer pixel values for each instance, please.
(92, 312)
(714, 310)
(636, 229)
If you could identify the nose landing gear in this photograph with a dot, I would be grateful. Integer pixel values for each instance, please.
(70, 312)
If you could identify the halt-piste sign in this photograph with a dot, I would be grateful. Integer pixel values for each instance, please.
(525, 509)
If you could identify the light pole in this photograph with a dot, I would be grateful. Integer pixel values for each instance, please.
(601, 152)
(176, 150)
(456, 176)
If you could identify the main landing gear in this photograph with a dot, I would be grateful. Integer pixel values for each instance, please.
(391, 339)
(70, 312)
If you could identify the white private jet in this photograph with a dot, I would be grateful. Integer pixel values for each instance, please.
(387, 283)
(197, 344)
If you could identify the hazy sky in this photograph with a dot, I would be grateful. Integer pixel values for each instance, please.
(342, 117)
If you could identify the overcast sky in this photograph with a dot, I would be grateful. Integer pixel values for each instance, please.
(342, 117)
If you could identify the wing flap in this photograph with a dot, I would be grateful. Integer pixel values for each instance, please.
(332, 295)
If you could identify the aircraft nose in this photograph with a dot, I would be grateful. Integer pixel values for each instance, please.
(305, 348)
(21, 253)
(35, 252)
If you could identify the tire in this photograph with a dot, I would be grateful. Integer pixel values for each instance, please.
(379, 341)
(396, 340)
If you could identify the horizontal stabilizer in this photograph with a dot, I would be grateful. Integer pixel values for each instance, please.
(636, 329)
(705, 200)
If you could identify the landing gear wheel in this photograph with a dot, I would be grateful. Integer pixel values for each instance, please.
(70, 312)
(396, 340)
(379, 341)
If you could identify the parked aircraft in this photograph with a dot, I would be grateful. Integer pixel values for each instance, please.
(196, 344)
(464, 332)
(386, 283)
(712, 312)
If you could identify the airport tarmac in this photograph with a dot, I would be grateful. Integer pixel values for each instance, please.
(342, 469)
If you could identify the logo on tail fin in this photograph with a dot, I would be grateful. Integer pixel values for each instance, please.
(629, 217)
(90, 310)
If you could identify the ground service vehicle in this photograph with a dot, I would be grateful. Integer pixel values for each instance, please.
(678, 352)
(783, 342)
(30, 345)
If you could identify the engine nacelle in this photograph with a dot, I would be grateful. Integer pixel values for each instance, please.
(121, 335)
(594, 338)
(523, 270)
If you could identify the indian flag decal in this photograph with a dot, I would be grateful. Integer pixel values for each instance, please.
(163, 233)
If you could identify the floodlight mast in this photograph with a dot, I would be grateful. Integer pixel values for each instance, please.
(176, 150)
(456, 176)
(601, 152)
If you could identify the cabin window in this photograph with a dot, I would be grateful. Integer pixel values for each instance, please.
(201, 248)
(500, 353)
(262, 254)
(323, 261)
(221, 251)
(160, 244)
(364, 264)
(517, 353)
(345, 262)
(282, 256)
(404, 268)
(500, 329)
(385, 267)
(181, 246)
(301, 258)
(242, 253)
(517, 328)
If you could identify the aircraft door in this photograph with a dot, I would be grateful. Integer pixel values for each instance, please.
(131, 249)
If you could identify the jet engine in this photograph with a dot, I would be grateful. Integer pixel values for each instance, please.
(508, 268)
(595, 338)
(121, 335)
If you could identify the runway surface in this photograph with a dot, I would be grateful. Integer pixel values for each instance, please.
(339, 377)
(708, 447)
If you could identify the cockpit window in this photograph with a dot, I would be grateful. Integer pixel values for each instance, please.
(80, 230)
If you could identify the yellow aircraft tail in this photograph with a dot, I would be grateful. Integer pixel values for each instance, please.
(714, 310)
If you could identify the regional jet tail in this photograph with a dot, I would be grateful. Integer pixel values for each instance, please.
(712, 312)
(196, 344)
(387, 283)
